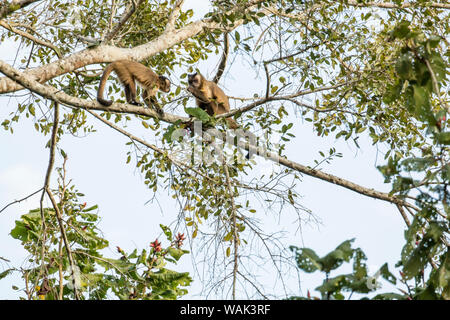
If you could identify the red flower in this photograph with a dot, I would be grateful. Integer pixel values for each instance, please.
(156, 245)
(180, 237)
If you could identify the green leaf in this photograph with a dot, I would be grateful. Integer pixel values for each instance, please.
(418, 258)
(404, 67)
(166, 231)
(389, 296)
(401, 30)
(443, 138)
(333, 285)
(199, 114)
(422, 105)
(94, 207)
(335, 258)
(307, 259)
(5, 273)
(386, 274)
(176, 253)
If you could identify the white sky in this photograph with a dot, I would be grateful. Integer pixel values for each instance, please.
(97, 166)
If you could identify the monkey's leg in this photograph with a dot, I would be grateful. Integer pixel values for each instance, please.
(132, 88)
(128, 94)
(151, 102)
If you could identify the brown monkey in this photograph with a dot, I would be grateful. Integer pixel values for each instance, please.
(210, 97)
(130, 72)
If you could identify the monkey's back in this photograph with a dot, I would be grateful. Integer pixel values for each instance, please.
(128, 71)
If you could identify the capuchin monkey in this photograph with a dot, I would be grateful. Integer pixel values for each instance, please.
(130, 72)
(210, 97)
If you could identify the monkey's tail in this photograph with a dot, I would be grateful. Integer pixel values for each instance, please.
(102, 84)
(232, 124)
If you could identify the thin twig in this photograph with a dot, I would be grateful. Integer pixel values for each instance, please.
(17, 201)
(235, 233)
(127, 15)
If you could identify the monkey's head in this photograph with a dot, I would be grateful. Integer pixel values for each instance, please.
(164, 84)
(195, 80)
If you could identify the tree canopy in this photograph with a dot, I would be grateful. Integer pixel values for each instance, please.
(352, 69)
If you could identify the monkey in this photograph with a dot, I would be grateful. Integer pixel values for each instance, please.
(130, 72)
(210, 97)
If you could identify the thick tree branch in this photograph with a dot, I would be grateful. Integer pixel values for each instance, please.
(63, 98)
(403, 214)
(105, 53)
(53, 94)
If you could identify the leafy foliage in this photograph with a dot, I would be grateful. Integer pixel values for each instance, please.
(350, 70)
(420, 70)
(359, 281)
(135, 275)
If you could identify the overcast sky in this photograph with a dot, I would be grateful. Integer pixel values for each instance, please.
(97, 166)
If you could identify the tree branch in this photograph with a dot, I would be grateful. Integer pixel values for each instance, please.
(66, 242)
(223, 61)
(48, 173)
(174, 16)
(24, 34)
(8, 8)
(105, 53)
(126, 15)
(234, 226)
(388, 5)
(18, 201)
(52, 94)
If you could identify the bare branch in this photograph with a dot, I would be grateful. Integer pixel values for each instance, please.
(18, 201)
(234, 226)
(66, 242)
(279, 98)
(266, 69)
(436, 86)
(223, 61)
(46, 183)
